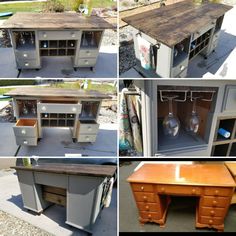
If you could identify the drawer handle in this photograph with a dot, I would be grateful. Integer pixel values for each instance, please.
(162, 190)
(23, 131)
(44, 108)
(212, 213)
(210, 222)
(216, 192)
(26, 64)
(182, 68)
(44, 35)
(194, 191)
(145, 198)
(214, 203)
(86, 62)
(25, 142)
(147, 208)
(149, 216)
(25, 55)
(142, 188)
(88, 53)
(74, 109)
(87, 138)
(72, 34)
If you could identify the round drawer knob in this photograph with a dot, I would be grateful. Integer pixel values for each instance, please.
(72, 35)
(144, 198)
(74, 109)
(210, 222)
(25, 142)
(147, 207)
(26, 64)
(216, 192)
(25, 55)
(87, 138)
(193, 190)
(86, 62)
(142, 188)
(44, 35)
(162, 190)
(89, 128)
(44, 108)
(88, 53)
(149, 216)
(23, 131)
(182, 68)
(214, 203)
(212, 213)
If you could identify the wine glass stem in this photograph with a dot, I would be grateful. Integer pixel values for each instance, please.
(170, 106)
(194, 106)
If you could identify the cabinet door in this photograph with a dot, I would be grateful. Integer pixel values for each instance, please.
(229, 102)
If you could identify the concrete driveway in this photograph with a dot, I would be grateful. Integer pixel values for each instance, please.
(53, 219)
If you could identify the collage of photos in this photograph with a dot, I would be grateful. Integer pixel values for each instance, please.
(117, 117)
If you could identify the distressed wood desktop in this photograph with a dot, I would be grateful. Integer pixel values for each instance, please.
(212, 184)
(232, 168)
(36, 108)
(37, 35)
(177, 33)
(81, 188)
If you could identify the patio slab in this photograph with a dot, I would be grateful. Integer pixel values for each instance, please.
(53, 219)
(61, 67)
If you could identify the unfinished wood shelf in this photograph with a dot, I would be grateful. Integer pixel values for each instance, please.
(57, 120)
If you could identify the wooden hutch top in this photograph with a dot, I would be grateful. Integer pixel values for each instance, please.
(55, 93)
(55, 21)
(173, 23)
(72, 169)
(183, 174)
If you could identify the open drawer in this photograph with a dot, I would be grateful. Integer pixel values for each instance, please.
(74, 108)
(88, 127)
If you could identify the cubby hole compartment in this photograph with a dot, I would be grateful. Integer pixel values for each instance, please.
(228, 125)
(62, 52)
(53, 115)
(62, 115)
(71, 44)
(45, 123)
(220, 150)
(53, 52)
(53, 123)
(24, 40)
(70, 116)
(43, 44)
(53, 44)
(233, 150)
(45, 115)
(70, 52)
(70, 123)
(181, 51)
(62, 43)
(61, 122)
(27, 108)
(44, 52)
(89, 110)
(185, 140)
(90, 39)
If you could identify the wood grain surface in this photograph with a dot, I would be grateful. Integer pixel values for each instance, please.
(173, 23)
(23, 20)
(55, 92)
(183, 174)
(72, 169)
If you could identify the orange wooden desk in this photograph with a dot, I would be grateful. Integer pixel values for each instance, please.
(232, 168)
(212, 184)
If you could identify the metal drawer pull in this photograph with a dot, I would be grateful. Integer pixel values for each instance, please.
(25, 142)
(144, 198)
(23, 131)
(44, 35)
(147, 208)
(182, 68)
(86, 62)
(74, 109)
(149, 216)
(142, 188)
(214, 203)
(212, 213)
(193, 190)
(25, 55)
(26, 64)
(216, 192)
(89, 128)
(162, 190)
(210, 222)
(87, 138)
(44, 108)
(88, 53)
(72, 34)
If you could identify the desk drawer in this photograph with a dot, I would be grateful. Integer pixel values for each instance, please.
(150, 215)
(180, 68)
(218, 191)
(86, 138)
(59, 108)
(26, 141)
(27, 63)
(209, 211)
(88, 62)
(178, 190)
(142, 187)
(59, 34)
(88, 53)
(25, 55)
(153, 207)
(26, 128)
(86, 128)
(144, 197)
(215, 201)
(211, 220)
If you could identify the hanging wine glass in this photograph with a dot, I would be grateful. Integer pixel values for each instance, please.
(193, 121)
(32, 39)
(25, 110)
(34, 109)
(171, 123)
(22, 39)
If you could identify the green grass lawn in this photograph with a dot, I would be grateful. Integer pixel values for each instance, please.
(37, 6)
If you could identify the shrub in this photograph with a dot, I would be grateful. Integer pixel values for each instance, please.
(53, 6)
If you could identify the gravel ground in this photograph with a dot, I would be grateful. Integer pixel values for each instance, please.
(109, 38)
(107, 115)
(11, 225)
(6, 114)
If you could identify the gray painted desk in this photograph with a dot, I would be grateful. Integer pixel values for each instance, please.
(84, 185)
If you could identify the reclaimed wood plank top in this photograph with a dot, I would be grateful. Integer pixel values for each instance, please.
(173, 23)
(72, 169)
(55, 92)
(55, 21)
(184, 174)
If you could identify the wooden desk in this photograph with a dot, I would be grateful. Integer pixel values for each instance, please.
(37, 35)
(81, 188)
(36, 108)
(212, 184)
(177, 33)
(232, 168)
